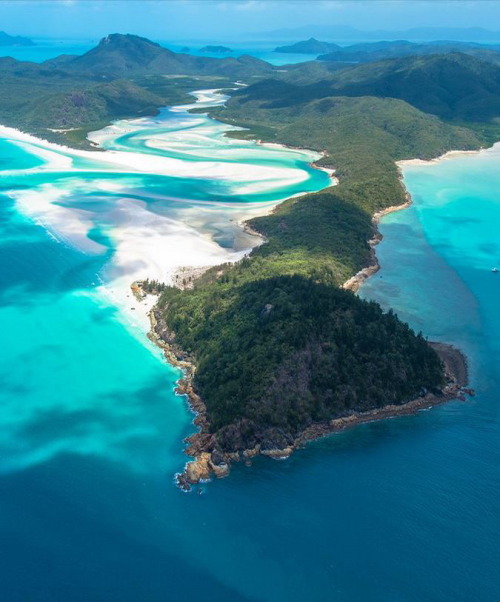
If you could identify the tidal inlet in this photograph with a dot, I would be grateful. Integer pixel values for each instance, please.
(80, 227)
(249, 290)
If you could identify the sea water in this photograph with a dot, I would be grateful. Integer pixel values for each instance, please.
(48, 48)
(91, 431)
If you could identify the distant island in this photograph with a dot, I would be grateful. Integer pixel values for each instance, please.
(123, 76)
(216, 49)
(420, 34)
(311, 46)
(369, 52)
(277, 349)
(377, 51)
(7, 40)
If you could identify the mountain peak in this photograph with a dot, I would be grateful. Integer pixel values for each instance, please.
(118, 55)
(125, 39)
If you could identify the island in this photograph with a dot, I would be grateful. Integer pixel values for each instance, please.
(8, 40)
(277, 349)
(310, 46)
(378, 51)
(262, 342)
(123, 76)
(216, 49)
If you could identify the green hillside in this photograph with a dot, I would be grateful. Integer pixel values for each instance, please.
(277, 354)
(38, 99)
(124, 76)
(310, 46)
(377, 51)
(120, 55)
(453, 86)
(278, 345)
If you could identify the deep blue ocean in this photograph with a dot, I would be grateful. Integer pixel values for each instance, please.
(91, 433)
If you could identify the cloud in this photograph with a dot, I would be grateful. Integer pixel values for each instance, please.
(243, 5)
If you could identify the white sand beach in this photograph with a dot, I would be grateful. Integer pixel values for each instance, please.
(148, 244)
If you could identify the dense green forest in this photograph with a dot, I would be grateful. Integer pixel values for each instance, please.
(275, 354)
(362, 138)
(453, 86)
(124, 76)
(38, 99)
(369, 52)
(277, 344)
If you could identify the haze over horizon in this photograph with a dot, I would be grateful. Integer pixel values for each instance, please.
(201, 19)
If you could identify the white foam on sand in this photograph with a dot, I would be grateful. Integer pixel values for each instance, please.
(148, 245)
(68, 225)
(253, 177)
(155, 247)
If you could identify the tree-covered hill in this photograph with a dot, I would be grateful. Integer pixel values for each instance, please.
(310, 46)
(454, 86)
(37, 99)
(377, 51)
(362, 137)
(8, 40)
(278, 345)
(278, 354)
(119, 55)
(124, 76)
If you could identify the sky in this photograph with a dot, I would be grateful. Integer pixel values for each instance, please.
(226, 20)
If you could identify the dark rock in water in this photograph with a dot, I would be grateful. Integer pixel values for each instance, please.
(185, 49)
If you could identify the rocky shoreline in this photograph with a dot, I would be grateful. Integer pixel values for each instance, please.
(354, 283)
(201, 446)
(208, 462)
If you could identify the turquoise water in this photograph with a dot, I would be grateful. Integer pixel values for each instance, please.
(47, 48)
(260, 50)
(91, 433)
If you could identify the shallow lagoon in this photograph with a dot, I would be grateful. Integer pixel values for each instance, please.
(405, 509)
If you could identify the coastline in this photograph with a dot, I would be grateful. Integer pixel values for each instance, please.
(452, 154)
(147, 246)
(208, 462)
(355, 282)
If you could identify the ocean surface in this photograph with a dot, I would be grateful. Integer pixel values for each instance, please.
(91, 432)
(48, 48)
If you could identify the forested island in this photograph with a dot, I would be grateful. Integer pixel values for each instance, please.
(275, 349)
(267, 334)
(310, 46)
(369, 52)
(64, 98)
(216, 49)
